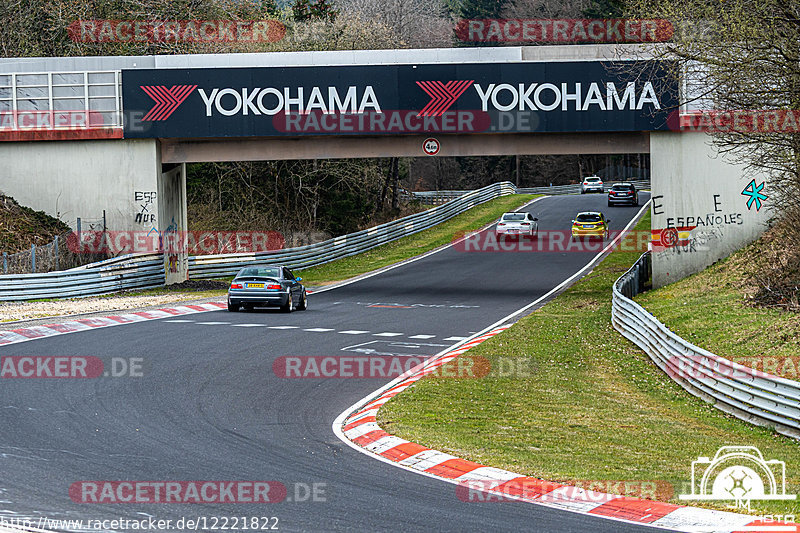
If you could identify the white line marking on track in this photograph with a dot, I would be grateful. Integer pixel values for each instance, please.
(387, 334)
(317, 329)
(422, 337)
(353, 332)
(249, 325)
(213, 323)
(179, 321)
(455, 338)
(283, 327)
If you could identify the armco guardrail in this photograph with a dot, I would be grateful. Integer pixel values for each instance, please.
(211, 266)
(147, 271)
(433, 197)
(576, 188)
(747, 394)
(121, 273)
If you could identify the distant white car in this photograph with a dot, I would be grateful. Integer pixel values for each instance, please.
(517, 224)
(592, 184)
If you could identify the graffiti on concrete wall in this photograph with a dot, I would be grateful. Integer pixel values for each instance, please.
(170, 246)
(754, 194)
(692, 233)
(145, 200)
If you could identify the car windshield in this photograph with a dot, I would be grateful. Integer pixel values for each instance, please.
(592, 179)
(261, 272)
(514, 217)
(621, 187)
(588, 217)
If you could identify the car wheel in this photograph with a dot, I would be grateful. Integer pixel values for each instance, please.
(303, 305)
(232, 308)
(289, 307)
(583, 192)
(609, 204)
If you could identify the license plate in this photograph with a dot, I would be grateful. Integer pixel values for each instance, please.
(513, 231)
(588, 227)
(255, 285)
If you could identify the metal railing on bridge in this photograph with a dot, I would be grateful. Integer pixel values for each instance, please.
(60, 100)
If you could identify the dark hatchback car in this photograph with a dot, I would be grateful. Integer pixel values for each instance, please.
(261, 286)
(623, 194)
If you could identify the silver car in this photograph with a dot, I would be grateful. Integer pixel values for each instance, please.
(517, 224)
(592, 184)
(260, 286)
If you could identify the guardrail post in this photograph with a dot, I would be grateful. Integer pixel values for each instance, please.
(5, 262)
(33, 258)
(55, 250)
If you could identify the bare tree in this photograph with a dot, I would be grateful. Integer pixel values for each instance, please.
(417, 23)
(744, 55)
(739, 55)
(546, 9)
(350, 30)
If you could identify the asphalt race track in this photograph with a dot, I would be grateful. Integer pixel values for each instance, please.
(209, 406)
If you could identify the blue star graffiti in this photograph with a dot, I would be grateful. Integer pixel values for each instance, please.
(753, 190)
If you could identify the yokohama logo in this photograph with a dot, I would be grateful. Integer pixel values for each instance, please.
(443, 95)
(167, 100)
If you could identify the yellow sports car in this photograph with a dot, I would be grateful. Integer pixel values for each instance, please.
(590, 224)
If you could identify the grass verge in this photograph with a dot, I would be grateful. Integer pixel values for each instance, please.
(579, 404)
(711, 310)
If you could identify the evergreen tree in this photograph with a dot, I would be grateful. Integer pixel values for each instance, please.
(480, 9)
(305, 10)
(605, 9)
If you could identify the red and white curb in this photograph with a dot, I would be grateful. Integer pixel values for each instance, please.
(85, 324)
(358, 427)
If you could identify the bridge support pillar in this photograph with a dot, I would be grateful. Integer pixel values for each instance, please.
(701, 209)
(173, 221)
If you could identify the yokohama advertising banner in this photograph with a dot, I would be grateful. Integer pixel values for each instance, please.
(398, 99)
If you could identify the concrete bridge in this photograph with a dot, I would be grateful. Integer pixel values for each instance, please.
(83, 135)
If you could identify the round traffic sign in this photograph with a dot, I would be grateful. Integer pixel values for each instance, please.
(430, 146)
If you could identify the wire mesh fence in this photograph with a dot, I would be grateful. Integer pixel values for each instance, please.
(57, 255)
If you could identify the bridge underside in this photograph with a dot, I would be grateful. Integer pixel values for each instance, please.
(264, 149)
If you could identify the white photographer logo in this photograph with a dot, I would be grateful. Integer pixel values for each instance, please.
(738, 473)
